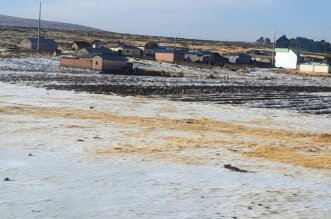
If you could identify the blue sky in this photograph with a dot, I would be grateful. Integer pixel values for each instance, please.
(232, 20)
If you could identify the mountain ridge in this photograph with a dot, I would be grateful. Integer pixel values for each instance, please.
(12, 21)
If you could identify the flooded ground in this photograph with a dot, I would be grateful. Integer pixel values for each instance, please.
(70, 154)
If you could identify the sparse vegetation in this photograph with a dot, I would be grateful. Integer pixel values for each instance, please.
(11, 36)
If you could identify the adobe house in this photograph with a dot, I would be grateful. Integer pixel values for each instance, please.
(128, 50)
(86, 51)
(98, 62)
(199, 57)
(108, 62)
(151, 51)
(78, 45)
(240, 58)
(45, 45)
(169, 55)
(75, 62)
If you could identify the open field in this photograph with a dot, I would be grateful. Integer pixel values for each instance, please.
(78, 144)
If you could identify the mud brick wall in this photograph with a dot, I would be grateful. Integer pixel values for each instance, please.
(76, 63)
(164, 57)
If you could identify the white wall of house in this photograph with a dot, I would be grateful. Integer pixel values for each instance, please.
(287, 60)
(233, 59)
(311, 67)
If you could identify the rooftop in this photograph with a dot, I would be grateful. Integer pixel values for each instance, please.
(99, 50)
(282, 50)
(42, 41)
(83, 43)
(198, 53)
(239, 54)
(125, 46)
(169, 50)
(108, 56)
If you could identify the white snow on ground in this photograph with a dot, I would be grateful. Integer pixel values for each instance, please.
(64, 179)
(193, 75)
(254, 74)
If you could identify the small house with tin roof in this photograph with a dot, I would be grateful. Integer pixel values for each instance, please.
(128, 50)
(108, 62)
(170, 55)
(199, 57)
(151, 51)
(45, 45)
(78, 45)
(105, 62)
(240, 58)
(86, 51)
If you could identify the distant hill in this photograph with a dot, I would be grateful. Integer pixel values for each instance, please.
(33, 23)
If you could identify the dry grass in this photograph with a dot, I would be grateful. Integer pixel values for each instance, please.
(10, 37)
(286, 155)
(271, 144)
(296, 72)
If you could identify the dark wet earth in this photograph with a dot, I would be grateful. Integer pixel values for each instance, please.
(302, 94)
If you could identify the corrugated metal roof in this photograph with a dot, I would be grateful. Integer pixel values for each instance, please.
(43, 41)
(172, 50)
(82, 44)
(125, 46)
(239, 54)
(166, 47)
(198, 53)
(108, 56)
(99, 50)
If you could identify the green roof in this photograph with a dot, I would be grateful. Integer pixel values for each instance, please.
(282, 50)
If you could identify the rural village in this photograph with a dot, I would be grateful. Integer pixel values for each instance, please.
(111, 56)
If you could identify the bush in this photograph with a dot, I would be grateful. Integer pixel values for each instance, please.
(151, 45)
